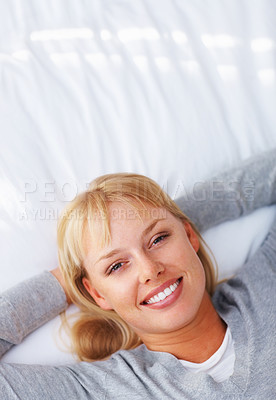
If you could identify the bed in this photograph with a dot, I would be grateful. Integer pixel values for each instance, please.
(176, 90)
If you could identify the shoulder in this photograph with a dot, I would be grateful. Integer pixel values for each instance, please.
(252, 291)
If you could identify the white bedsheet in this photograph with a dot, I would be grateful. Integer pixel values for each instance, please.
(177, 90)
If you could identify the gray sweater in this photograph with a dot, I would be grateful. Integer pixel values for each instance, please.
(246, 302)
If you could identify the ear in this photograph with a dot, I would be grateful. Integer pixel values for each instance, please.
(99, 299)
(192, 236)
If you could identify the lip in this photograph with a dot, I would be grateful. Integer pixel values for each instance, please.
(160, 288)
(172, 298)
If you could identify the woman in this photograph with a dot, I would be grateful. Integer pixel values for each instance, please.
(136, 266)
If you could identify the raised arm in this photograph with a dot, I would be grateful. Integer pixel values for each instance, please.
(27, 306)
(234, 193)
(24, 308)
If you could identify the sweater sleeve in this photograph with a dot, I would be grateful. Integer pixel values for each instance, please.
(24, 308)
(80, 381)
(27, 306)
(234, 193)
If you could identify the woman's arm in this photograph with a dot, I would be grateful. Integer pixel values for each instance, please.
(24, 308)
(27, 306)
(233, 194)
(58, 275)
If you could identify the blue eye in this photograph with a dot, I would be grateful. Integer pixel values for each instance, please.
(159, 239)
(115, 267)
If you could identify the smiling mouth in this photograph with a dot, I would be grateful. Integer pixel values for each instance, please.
(165, 293)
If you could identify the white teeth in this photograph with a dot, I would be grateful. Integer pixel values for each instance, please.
(162, 295)
(167, 291)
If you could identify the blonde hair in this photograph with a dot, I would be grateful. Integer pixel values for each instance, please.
(98, 333)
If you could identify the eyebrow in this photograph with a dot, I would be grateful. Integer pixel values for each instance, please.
(116, 251)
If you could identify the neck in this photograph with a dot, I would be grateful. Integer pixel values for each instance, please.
(196, 341)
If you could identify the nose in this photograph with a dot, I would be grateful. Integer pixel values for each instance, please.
(149, 268)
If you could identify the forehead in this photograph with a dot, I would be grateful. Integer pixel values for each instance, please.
(120, 222)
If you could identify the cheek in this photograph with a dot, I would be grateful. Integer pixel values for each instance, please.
(192, 266)
(184, 254)
(198, 271)
(198, 281)
(125, 306)
(122, 294)
(201, 278)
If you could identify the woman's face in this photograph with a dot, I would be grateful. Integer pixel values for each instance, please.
(149, 273)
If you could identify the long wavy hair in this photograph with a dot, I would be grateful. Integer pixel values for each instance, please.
(97, 333)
